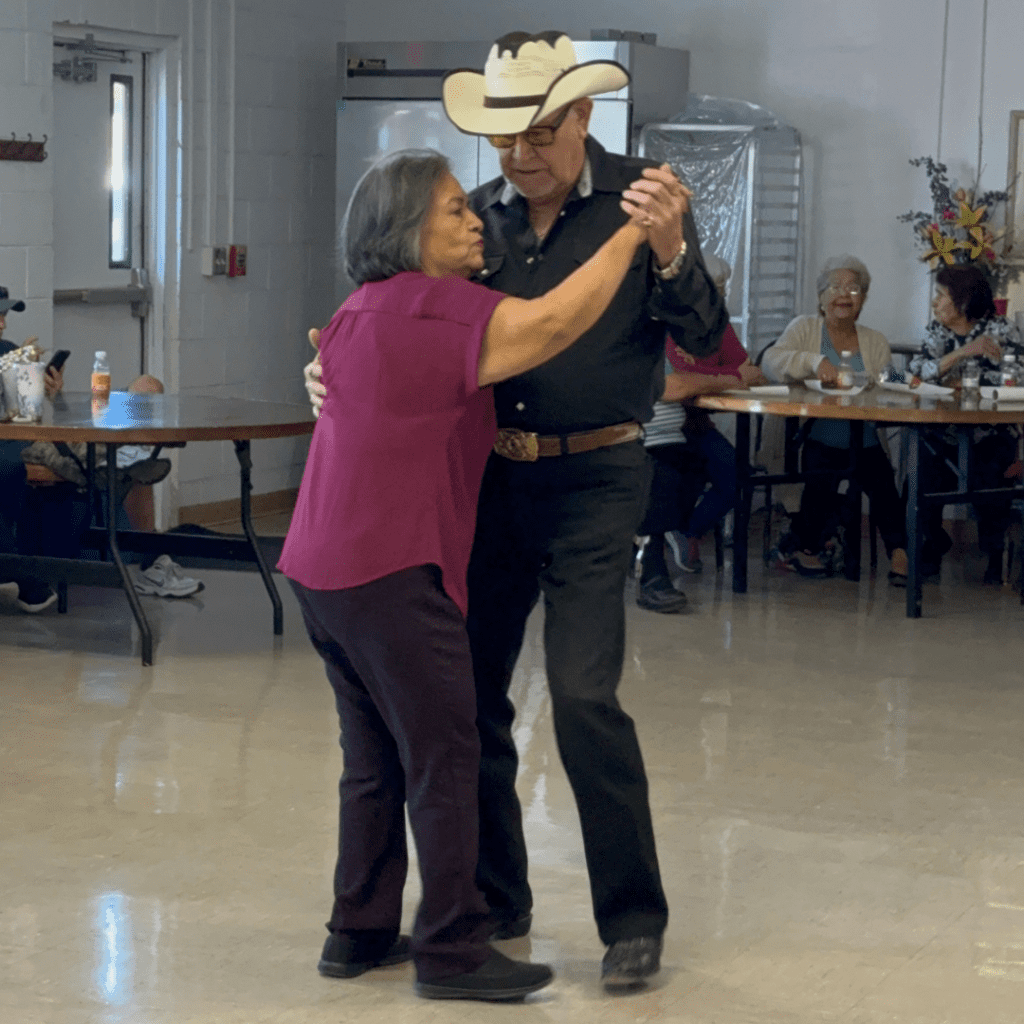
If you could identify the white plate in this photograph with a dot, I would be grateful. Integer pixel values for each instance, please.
(760, 391)
(924, 390)
(816, 385)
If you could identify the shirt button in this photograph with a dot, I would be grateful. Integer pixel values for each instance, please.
(529, 259)
(520, 406)
(484, 272)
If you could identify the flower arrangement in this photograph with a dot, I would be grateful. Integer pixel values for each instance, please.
(958, 231)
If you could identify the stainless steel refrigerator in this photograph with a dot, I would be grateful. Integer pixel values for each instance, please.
(389, 97)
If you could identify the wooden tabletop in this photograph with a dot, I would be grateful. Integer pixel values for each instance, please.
(130, 418)
(875, 403)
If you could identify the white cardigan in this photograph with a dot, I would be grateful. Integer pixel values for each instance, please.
(797, 354)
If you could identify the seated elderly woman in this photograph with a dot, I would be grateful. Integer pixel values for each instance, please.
(966, 327)
(379, 546)
(811, 347)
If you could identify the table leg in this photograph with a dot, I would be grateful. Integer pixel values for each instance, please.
(915, 540)
(741, 514)
(127, 583)
(244, 456)
(853, 494)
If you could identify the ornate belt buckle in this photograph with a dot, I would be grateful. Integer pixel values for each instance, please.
(517, 445)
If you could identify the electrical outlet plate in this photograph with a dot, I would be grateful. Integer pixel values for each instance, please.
(213, 260)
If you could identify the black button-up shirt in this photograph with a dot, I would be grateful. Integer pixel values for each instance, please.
(615, 371)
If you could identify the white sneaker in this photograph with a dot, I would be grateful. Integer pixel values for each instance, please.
(8, 593)
(164, 578)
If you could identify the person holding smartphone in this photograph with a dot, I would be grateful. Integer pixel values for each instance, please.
(27, 592)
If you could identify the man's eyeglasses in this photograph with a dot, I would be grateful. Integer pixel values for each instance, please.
(539, 137)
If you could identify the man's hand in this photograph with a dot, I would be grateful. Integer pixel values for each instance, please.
(53, 382)
(316, 391)
(660, 199)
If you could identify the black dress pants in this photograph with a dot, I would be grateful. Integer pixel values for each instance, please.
(564, 527)
(398, 661)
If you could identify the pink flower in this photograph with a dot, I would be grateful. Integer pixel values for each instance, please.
(948, 215)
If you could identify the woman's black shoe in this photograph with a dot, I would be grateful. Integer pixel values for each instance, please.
(497, 979)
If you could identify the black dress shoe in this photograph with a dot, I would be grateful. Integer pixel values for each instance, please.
(345, 957)
(497, 979)
(629, 962)
(658, 595)
(511, 929)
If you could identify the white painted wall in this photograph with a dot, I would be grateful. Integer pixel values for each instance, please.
(860, 81)
(243, 337)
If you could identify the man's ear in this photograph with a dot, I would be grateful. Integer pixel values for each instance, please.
(581, 110)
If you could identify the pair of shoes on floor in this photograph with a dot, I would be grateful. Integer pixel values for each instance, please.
(31, 596)
(164, 578)
(685, 550)
(658, 595)
(804, 563)
(498, 979)
(514, 928)
(342, 958)
(899, 566)
(628, 963)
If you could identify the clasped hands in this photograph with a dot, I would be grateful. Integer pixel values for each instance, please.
(657, 202)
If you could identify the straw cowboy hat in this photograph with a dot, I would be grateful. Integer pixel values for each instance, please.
(525, 79)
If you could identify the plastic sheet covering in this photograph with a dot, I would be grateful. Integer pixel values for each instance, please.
(715, 165)
(744, 168)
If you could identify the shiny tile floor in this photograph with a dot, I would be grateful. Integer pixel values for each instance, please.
(838, 795)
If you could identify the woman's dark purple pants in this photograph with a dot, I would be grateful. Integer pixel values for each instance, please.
(397, 658)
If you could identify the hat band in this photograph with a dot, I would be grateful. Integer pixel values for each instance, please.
(503, 102)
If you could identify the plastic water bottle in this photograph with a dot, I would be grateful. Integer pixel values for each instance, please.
(100, 376)
(1008, 371)
(846, 370)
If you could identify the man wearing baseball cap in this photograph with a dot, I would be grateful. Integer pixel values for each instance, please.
(29, 593)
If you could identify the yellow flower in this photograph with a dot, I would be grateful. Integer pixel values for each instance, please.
(942, 248)
(970, 218)
(976, 244)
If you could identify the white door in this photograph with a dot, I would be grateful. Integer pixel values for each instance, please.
(98, 225)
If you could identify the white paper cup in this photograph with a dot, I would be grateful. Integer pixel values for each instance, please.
(31, 391)
(9, 393)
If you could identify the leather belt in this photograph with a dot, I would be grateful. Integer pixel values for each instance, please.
(524, 446)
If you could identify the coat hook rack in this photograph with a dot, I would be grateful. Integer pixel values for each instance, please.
(23, 149)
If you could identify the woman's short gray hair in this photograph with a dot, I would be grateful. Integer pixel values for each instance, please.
(380, 234)
(845, 262)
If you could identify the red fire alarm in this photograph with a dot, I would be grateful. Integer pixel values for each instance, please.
(236, 260)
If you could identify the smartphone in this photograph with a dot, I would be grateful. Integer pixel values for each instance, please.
(58, 360)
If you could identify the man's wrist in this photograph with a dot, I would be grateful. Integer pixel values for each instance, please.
(671, 269)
